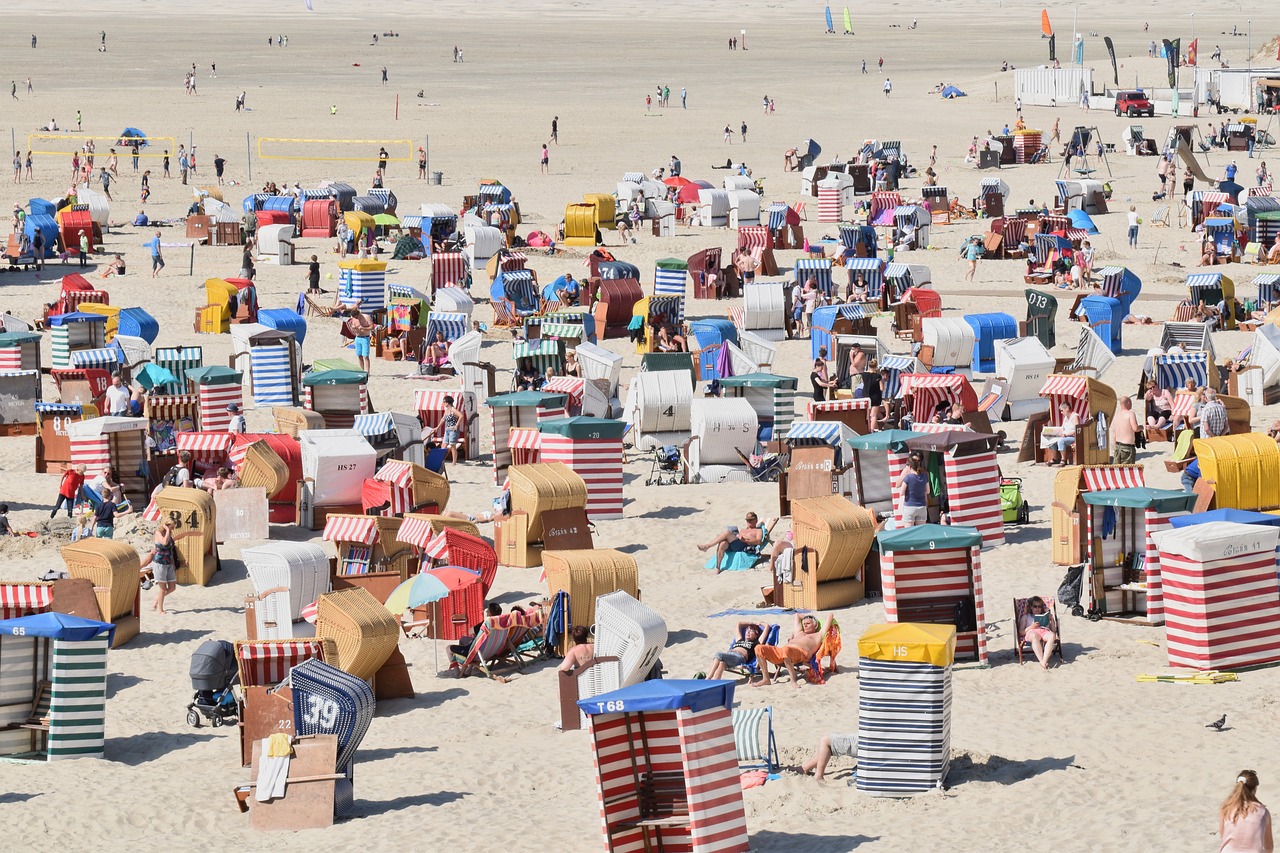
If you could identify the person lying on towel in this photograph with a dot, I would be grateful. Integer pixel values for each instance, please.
(802, 646)
(737, 538)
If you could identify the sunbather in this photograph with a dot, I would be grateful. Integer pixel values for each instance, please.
(1038, 629)
(583, 650)
(829, 745)
(735, 538)
(741, 653)
(463, 646)
(798, 650)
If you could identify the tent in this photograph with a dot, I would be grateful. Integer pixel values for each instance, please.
(130, 135)
(932, 574)
(1123, 580)
(949, 92)
(904, 708)
(55, 666)
(1219, 580)
(965, 480)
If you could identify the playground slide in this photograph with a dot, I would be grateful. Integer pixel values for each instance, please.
(1184, 151)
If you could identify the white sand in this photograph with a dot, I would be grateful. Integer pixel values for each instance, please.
(1082, 758)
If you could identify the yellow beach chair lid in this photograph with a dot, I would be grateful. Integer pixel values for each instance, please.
(909, 642)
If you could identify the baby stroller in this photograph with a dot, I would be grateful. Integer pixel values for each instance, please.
(765, 468)
(1013, 508)
(214, 677)
(667, 465)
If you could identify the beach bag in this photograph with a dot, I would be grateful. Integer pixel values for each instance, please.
(1070, 588)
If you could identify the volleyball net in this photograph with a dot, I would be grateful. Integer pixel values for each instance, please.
(350, 150)
(66, 144)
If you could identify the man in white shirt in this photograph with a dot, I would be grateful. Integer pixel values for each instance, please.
(237, 424)
(117, 397)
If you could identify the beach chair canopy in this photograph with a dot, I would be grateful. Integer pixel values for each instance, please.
(928, 537)
(1161, 500)
(335, 377)
(58, 626)
(662, 695)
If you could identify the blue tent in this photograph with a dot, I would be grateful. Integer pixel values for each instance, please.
(131, 134)
(63, 626)
(953, 92)
(662, 695)
(1082, 220)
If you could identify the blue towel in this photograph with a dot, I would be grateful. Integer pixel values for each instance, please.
(765, 611)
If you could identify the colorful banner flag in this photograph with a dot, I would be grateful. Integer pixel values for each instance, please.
(1079, 50)
(1053, 48)
(1193, 51)
(1045, 28)
(1111, 49)
(1170, 56)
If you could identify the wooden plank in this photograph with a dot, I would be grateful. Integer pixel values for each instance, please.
(242, 514)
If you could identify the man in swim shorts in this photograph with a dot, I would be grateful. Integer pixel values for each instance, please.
(362, 326)
(802, 646)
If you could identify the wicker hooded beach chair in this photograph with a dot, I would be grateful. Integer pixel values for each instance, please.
(113, 568)
(362, 629)
(832, 538)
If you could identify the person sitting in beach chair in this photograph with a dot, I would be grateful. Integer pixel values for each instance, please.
(750, 538)
(741, 654)
(1038, 628)
(797, 651)
(463, 646)
(582, 652)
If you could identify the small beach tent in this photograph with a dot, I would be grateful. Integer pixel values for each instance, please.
(720, 427)
(832, 539)
(987, 330)
(113, 442)
(338, 395)
(335, 464)
(429, 407)
(772, 398)
(1105, 316)
(1124, 581)
(928, 391)
(904, 708)
(1069, 512)
(952, 341)
(521, 410)
(591, 448)
(1221, 609)
(56, 669)
(1245, 470)
(658, 407)
(282, 504)
(965, 480)
(1022, 365)
(215, 388)
(1093, 403)
(363, 280)
(270, 361)
(20, 351)
(1212, 289)
(878, 460)
(932, 574)
(71, 333)
(680, 732)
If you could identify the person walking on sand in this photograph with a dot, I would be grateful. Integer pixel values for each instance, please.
(648, 102)
(135, 153)
(546, 160)
(684, 95)
(113, 164)
(218, 165)
(105, 179)
(384, 75)
(1057, 133)
(163, 564)
(1134, 222)
(888, 86)
(555, 129)
(13, 90)
(728, 134)
(973, 250)
(363, 327)
(157, 258)
(30, 163)
(744, 131)
(30, 90)
(864, 66)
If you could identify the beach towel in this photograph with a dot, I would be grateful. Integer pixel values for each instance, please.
(273, 767)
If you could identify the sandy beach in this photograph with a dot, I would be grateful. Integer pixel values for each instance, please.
(1080, 758)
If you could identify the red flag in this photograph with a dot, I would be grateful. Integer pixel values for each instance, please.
(1192, 50)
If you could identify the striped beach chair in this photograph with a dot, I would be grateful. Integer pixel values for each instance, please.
(106, 358)
(449, 269)
(454, 325)
(753, 738)
(514, 296)
(816, 268)
(1173, 371)
(669, 277)
(871, 270)
(544, 353)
